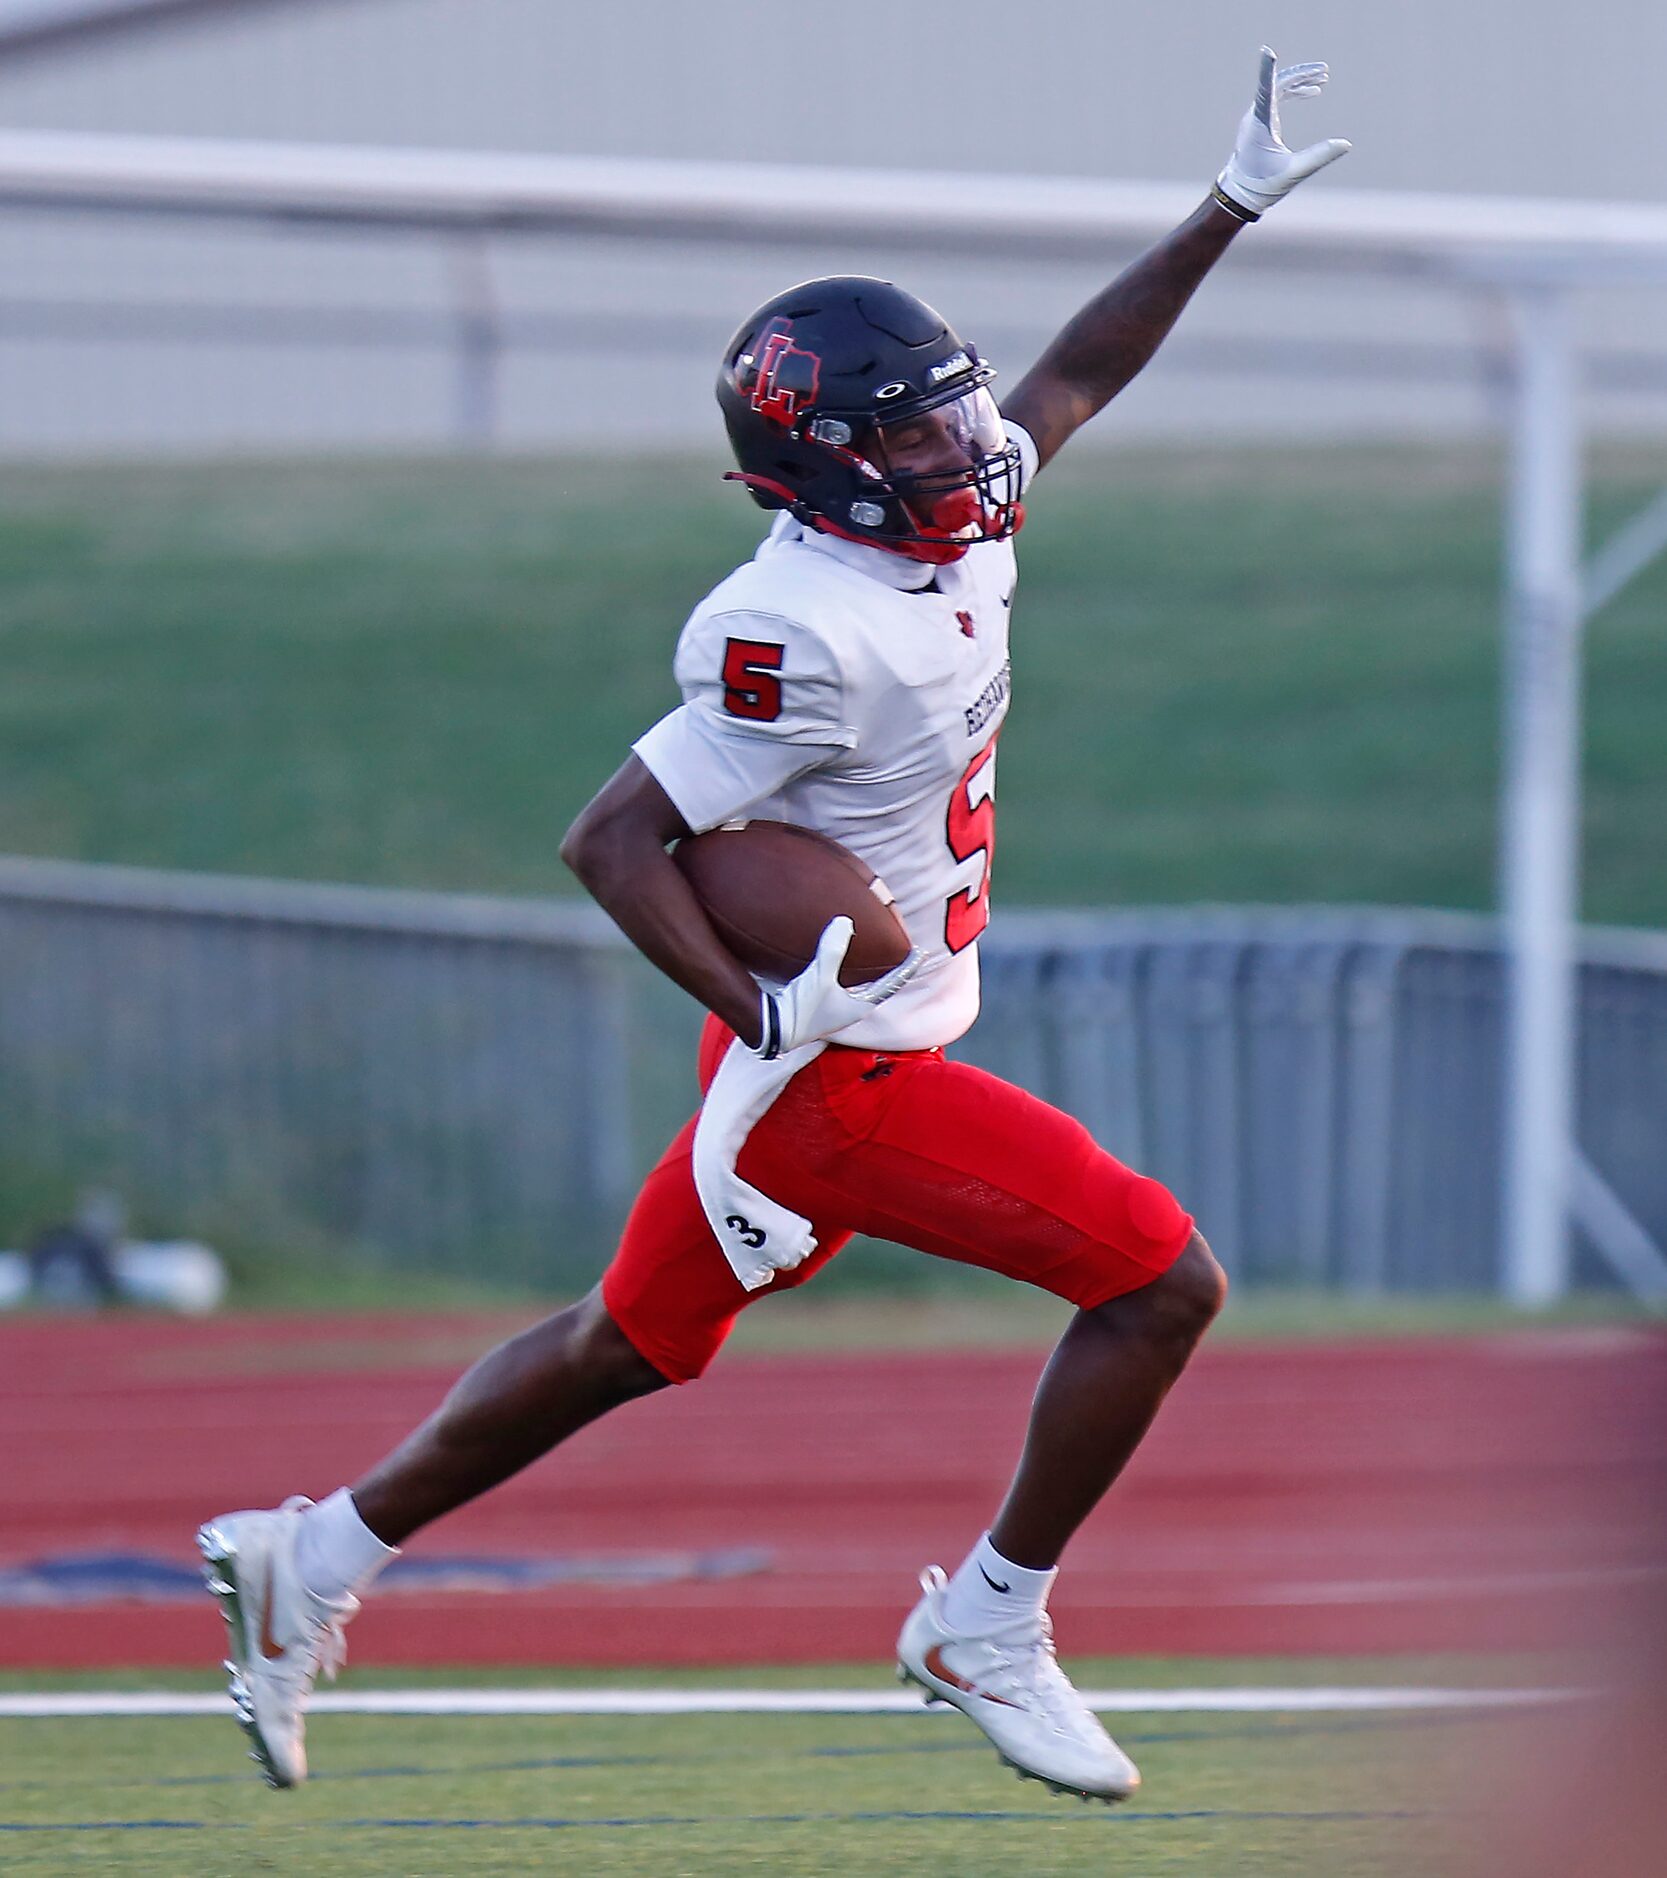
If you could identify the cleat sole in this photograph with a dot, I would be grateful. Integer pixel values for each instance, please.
(1062, 1787)
(932, 1699)
(928, 1695)
(220, 1576)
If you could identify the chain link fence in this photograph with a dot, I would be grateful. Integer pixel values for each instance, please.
(474, 1085)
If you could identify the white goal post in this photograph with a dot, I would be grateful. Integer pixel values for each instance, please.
(1531, 256)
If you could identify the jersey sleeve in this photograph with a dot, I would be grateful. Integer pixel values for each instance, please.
(763, 702)
(1029, 455)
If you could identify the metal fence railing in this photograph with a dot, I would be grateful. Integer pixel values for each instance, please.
(474, 1085)
(1324, 1086)
(425, 1078)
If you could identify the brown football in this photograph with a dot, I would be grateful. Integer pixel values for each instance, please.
(770, 889)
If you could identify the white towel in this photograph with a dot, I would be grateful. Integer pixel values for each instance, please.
(759, 1236)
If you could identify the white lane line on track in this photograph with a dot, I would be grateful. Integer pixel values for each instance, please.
(68, 1703)
(1494, 1587)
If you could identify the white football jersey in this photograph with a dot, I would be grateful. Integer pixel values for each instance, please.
(859, 693)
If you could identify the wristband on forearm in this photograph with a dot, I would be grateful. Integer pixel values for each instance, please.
(1236, 209)
(769, 1042)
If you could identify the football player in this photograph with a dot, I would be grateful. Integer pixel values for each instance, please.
(852, 678)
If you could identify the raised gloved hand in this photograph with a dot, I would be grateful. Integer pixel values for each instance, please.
(1261, 168)
(816, 1005)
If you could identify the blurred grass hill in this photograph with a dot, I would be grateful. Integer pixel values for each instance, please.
(1237, 676)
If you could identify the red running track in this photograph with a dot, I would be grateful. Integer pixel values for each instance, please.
(1499, 1492)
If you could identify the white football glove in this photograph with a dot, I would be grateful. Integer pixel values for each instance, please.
(816, 1005)
(1261, 168)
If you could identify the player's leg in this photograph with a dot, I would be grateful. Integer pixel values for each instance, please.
(958, 1163)
(659, 1316)
(1098, 1395)
(982, 1638)
(661, 1313)
(962, 1165)
(517, 1403)
(288, 1578)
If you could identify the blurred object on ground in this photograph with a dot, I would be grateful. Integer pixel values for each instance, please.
(69, 1269)
(88, 1263)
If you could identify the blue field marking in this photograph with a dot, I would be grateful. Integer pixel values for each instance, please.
(115, 1825)
(1115, 1815)
(244, 1777)
(1233, 1730)
(649, 1821)
(1332, 1725)
(91, 1578)
(556, 1763)
(543, 1763)
(896, 1747)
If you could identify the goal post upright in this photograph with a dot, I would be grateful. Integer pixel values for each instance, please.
(1540, 792)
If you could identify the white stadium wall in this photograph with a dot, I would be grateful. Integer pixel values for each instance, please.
(137, 334)
(1480, 96)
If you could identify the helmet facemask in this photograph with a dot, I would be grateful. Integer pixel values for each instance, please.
(937, 477)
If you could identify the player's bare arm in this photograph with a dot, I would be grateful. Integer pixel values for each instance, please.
(1114, 337)
(1099, 350)
(617, 847)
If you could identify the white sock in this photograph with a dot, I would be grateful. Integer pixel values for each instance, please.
(336, 1552)
(990, 1592)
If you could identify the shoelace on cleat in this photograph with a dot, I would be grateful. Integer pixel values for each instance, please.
(326, 1638)
(1029, 1668)
(329, 1646)
(322, 1653)
(1026, 1667)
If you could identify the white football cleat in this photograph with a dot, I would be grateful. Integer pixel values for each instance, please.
(283, 1638)
(1010, 1684)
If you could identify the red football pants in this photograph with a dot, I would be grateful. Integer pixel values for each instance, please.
(905, 1146)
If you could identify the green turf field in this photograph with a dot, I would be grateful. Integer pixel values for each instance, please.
(1224, 1794)
(1237, 678)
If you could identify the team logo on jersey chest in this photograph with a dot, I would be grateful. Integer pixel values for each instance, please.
(990, 700)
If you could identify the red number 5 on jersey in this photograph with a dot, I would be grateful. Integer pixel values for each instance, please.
(972, 833)
(751, 688)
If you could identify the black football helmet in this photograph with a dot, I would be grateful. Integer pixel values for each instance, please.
(854, 405)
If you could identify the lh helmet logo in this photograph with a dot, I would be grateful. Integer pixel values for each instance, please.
(787, 375)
